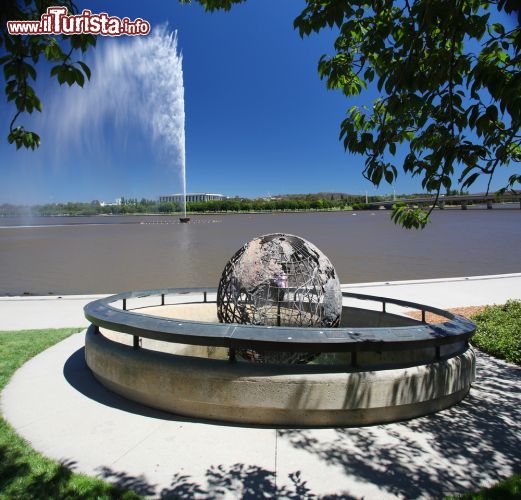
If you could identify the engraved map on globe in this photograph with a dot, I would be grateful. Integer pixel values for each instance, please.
(279, 280)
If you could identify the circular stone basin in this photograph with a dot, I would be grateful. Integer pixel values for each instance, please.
(376, 367)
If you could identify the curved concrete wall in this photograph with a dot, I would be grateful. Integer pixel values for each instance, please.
(277, 394)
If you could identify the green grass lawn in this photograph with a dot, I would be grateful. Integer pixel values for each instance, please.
(25, 473)
(499, 331)
(509, 489)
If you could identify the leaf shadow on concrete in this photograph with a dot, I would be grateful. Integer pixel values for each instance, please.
(248, 482)
(475, 442)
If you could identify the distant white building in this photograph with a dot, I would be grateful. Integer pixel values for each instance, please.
(190, 197)
(107, 204)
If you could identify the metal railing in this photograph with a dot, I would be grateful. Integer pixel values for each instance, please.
(102, 313)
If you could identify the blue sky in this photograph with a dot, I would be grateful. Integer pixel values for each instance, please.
(258, 118)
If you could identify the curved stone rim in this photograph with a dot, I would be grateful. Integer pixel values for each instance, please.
(101, 313)
(277, 394)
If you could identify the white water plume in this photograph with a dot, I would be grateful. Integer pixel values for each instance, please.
(134, 81)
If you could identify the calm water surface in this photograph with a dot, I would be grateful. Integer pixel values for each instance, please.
(64, 255)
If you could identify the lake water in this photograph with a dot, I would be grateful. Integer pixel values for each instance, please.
(69, 255)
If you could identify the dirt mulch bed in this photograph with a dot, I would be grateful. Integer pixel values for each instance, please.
(434, 318)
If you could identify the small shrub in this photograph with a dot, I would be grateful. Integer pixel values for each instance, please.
(499, 331)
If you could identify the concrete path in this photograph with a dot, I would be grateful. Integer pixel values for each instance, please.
(29, 313)
(17, 313)
(448, 292)
(54, 402)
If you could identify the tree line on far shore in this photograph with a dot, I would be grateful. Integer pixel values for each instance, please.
(144, 206)
(126, 206)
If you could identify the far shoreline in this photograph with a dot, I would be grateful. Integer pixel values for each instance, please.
(500, 206)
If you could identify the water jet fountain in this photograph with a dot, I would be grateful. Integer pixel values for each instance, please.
(136, 87)
(278, 344)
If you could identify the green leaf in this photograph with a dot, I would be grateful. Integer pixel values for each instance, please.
(492, 112)
(62, 73)
(85, 69)
(498, 28)
(470, 180)
(78, 75)
(31, 71)
(69, 75)
(409, 218)
(27, 139)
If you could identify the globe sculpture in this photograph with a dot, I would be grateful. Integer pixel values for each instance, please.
(279, 280)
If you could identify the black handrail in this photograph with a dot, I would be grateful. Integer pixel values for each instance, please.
(236, 336)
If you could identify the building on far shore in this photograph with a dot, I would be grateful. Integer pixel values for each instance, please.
(190, 197)
(117, 203)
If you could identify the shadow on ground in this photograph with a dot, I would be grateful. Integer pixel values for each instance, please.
(463, 448)
(478, 441)
(78, 375)
(247, 482)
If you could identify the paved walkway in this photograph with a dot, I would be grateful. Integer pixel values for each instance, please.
(17, 313)
(54, 402)
(448, 292)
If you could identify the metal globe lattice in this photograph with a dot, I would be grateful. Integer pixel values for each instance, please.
(279, 280)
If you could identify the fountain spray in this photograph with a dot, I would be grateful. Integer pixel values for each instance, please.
(134, 80)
